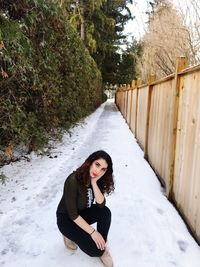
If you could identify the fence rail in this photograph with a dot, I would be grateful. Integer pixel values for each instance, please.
(164, 116)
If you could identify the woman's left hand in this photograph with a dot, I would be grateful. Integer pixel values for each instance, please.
(98, 195)
(98, 239)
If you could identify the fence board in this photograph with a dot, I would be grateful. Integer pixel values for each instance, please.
(129, 106)
(142, 115)
(160, 128)
(133, 111)
(186, 187)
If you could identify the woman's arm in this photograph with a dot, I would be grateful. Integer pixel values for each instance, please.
(99, 197)
(83, 224)
(96, 236)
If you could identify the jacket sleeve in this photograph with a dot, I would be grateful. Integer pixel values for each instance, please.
(70, 196)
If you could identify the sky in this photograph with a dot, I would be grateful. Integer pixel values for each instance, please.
(137, 26)
(146, 229)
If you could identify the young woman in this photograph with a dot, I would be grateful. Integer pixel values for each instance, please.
(76, 210)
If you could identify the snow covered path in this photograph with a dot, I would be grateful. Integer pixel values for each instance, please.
(146, 229)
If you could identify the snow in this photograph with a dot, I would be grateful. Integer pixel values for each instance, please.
(146, 229)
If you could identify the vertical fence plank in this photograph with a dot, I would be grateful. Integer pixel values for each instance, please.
(152, 78)
(127, 90)
(136, 116)
(181, 64)
(124, 100)
(133, 83)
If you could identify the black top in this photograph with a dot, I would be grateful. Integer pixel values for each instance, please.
(76, 197)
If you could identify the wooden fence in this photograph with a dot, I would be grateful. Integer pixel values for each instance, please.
(164, 116)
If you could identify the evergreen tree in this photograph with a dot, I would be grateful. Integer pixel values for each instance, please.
(121, 68)
(128, 66)
(109, 36)
(100, 24)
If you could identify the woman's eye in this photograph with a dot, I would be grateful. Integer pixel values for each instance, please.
(97, 164)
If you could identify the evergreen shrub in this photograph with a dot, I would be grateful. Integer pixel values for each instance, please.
(48, 79)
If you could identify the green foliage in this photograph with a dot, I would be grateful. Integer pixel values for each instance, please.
(101, 24)
(3, 178)
(129, 60)
(52, 80)
(109, 26)
(105, 97)
(121, 68)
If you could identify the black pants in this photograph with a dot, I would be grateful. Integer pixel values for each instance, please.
(91, 215)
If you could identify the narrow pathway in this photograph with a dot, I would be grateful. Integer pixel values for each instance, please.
(146, 229)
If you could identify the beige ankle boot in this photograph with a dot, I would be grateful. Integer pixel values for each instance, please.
(106, 259)
(70, 244)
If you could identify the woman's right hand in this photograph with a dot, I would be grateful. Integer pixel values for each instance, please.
(98, 239)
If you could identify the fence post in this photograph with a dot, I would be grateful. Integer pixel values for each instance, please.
(124, 98)
(127, 89)
(118, 97)
(151, 79)
(181, 64)
(121, 99)
(136, 109)
(133, 84)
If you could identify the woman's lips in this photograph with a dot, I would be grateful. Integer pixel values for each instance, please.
(94, 174)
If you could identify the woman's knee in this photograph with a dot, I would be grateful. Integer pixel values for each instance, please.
(89, 247)
(106, 213)
(94, 253)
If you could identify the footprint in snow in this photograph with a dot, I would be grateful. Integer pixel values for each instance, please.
(182, 245)
(160, 211)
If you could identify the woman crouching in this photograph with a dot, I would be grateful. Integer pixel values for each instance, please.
(76, 211)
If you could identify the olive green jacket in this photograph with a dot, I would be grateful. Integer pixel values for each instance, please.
(75, 197)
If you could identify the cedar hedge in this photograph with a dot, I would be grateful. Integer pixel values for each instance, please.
(48, 79)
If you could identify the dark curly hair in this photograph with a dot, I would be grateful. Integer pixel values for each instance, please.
(106, 182)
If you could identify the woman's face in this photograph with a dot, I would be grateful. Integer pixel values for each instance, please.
(98, 168)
